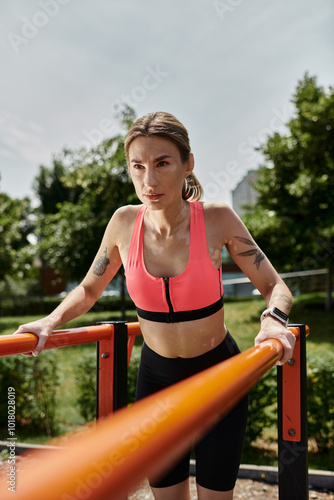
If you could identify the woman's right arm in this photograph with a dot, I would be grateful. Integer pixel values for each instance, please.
(104, 267)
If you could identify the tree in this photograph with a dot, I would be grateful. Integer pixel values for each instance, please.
(293, 217)
(78, 196)
(16, 253)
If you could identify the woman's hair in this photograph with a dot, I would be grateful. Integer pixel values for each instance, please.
(165, 125)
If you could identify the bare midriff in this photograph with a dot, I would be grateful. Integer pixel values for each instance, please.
(187, 339)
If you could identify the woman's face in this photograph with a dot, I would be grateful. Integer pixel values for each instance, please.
(157, 171)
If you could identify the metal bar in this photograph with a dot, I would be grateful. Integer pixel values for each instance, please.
(148, 437)
(296, 274)
(120, 389)
(22, 343)
(120, 365)
(97, 397)
(133, 329)
(292, 424)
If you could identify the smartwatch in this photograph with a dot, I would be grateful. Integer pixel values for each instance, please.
(277, 314)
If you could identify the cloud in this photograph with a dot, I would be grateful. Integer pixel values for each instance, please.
(227, 76)
(22, 139)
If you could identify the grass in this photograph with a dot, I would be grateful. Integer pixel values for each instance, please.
(242, 319)
(9, 324)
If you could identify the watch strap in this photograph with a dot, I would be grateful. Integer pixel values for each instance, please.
(277, 314)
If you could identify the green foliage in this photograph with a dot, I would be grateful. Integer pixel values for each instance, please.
(320, 393)
(86, 384)
(78, 196)
(35, 381)
(320, 402)
(262, 406)
(19, 305)
(16, 223)
(132, 373)
(293, 218)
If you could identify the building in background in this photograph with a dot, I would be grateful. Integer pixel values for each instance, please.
(244, 192)
(235, 282)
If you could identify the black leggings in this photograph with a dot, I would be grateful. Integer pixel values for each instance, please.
(218, 454)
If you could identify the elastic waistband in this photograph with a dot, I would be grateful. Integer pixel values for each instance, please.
(180, 316)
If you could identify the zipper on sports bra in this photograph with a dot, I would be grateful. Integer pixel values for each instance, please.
(220, 277)
(169, 302)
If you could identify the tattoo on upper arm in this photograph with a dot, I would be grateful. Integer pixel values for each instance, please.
(101, 264)
(259, 255)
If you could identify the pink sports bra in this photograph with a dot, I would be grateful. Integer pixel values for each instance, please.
(196, 293)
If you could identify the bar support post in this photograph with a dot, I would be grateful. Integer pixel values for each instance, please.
(111, 378)
(292, 424)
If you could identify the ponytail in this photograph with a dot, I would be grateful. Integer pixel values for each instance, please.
(192, 189)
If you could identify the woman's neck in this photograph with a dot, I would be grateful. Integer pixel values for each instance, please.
(167, 221)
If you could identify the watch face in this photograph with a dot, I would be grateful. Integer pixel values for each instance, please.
(280, 313)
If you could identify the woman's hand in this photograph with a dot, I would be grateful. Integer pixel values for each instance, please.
(273, 329)
(42, 328)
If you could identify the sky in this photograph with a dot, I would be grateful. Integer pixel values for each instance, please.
(227, 69)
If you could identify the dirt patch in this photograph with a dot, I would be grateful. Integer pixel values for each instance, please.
(244, 489)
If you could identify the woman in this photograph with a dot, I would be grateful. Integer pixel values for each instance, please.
(170, 247)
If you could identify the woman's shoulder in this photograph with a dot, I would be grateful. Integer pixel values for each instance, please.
(126, 214)
(121, 225)
(123, 221)
(214, 209)
(221, 219)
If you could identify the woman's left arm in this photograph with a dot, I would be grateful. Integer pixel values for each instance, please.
(256, 266)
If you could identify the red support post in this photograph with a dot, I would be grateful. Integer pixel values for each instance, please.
(105, 377)
(291, 397)
(292, 423)
(112, 370)
(133, 330)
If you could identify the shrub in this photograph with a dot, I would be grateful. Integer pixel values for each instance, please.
(86, 383)
(320, 399)
(18, 305)
(320, 402)
(35, 381)
(132, 373)
(262, 406)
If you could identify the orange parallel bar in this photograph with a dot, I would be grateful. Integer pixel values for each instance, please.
(21, 343)
(109, 460)
(133, 329)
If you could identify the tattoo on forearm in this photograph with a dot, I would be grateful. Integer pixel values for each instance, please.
(259, 255)
(101, 264)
